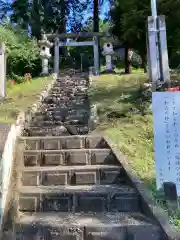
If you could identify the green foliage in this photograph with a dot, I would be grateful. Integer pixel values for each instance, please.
(174, 60)
(129, 20)
(22, 52)
(18, 79)
(129, 23)
(5, 6)
(20, 13)
(87, 52)
(48, 15)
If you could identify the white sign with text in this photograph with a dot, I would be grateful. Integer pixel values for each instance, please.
(166, 118)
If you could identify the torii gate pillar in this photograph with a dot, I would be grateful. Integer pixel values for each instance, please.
(56, 56)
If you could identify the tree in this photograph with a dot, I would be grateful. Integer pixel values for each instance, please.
(21, 13)
(5, 7)
(129, 25)
(129, 20)
(36, 18)
(171, 9)
(22, 52)
(75, 16)
(96, 15)
(48, 15)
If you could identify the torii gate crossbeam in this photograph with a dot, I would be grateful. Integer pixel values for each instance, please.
(93, 43)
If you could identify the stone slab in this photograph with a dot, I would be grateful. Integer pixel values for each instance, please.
(119, 226)
(4, 130)
(71, 175)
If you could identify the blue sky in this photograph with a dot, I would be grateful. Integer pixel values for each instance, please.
(104, 9)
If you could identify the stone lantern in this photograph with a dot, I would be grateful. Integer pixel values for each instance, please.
(108, 52)
(45, 55)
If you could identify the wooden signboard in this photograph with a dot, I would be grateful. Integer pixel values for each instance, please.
(166, 118)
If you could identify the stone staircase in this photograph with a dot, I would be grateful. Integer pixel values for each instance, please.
(65, 111)
(70, 185)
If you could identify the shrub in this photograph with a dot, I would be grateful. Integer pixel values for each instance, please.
(22, 52)
(18, 79)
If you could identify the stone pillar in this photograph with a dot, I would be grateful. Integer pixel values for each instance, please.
(108, 63)
(153, 58)
(164, 60)
(2, 71)
(96, 56)
(108, 52)
(56, 56)
(45, 66)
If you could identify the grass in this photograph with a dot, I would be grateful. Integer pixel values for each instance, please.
(124, 108)
(123, 117)
(20, 97)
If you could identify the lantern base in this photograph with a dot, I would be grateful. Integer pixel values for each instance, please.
(42, 74)
(108, 71)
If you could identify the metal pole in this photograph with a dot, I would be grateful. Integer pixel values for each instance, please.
(154, 8)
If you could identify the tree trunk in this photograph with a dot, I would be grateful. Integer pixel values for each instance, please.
(96, 22)
(128, 68)
(144, 62)
(62, 28)
(36, 23)
(96, 16)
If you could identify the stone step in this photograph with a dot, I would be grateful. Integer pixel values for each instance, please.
(69, 157)
(72, 84)
(73, 80)
(64, 115)
(54, 120)
(60, 88)
(63, 111)
(59, 112)
(98, 198)
(55, 109)
(70, 94)
(56, 130)
(58, 121)
(73, 104)
(66, 226)
(60, 142)
(74, 91)
(78, 97)
(72, 175)
(65, 100)
(47, 131)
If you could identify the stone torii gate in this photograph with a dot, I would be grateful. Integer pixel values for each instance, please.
(58, 43)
